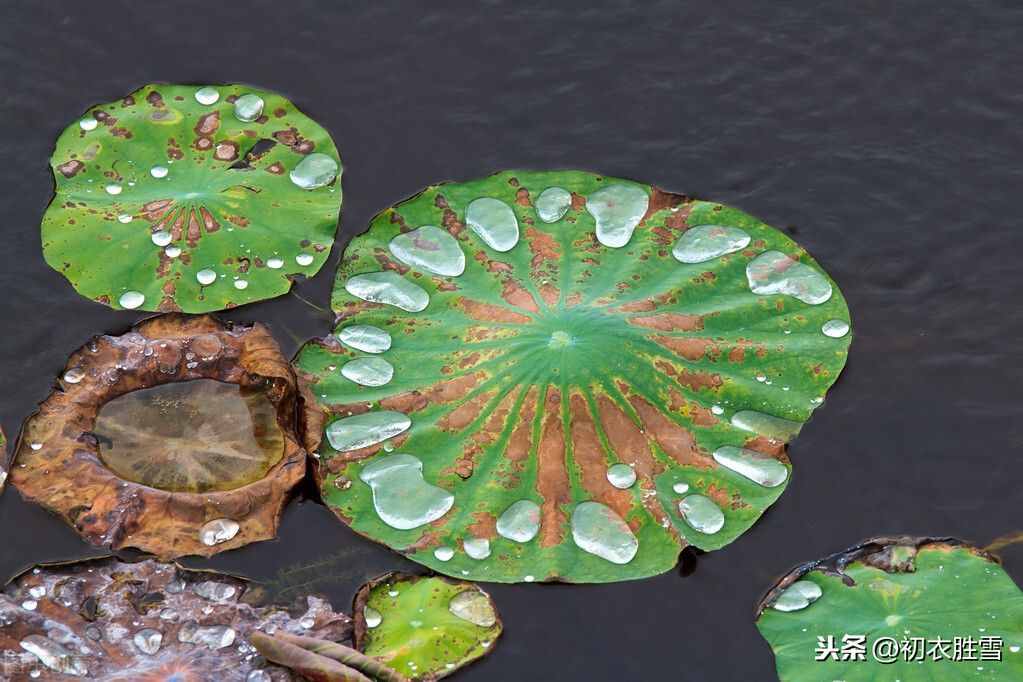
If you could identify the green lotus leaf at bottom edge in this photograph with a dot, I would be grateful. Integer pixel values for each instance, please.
(906, 609)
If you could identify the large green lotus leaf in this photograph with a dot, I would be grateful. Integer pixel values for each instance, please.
(424, 627)
(919, 609)
(545, 413)
(180, 197)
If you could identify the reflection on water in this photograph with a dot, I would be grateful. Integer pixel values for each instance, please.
(192, 436)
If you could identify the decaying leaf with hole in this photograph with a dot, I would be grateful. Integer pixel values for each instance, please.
(181, 197)
(113, 620)
(909, 609)
(425, 628)
(564, 376)
(176, 438)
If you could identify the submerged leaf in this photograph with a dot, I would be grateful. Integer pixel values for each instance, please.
(424, 627)
(180, 197)
(588, 387)
(916, 609)
(143, 421)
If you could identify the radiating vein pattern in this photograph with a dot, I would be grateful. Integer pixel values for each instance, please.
(587, 335)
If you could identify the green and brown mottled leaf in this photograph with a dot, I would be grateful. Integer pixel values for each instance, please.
(425, 628)
(554, 360)
(919, 609)
(166, 200)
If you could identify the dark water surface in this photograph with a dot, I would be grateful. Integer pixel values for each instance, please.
(884, 136)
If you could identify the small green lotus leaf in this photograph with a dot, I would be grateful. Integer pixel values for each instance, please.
(424, 627)
(908, 609)
(597, 375)
(180, 197)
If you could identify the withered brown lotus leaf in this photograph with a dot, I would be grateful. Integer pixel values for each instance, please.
(177, 438)
(106, 619)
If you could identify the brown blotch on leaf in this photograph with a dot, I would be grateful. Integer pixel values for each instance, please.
(71, 168)
(487, 312)
(277, 168)
(552, 475)
(208, 124)
(226, 151)
(155, 99)
(669, 322)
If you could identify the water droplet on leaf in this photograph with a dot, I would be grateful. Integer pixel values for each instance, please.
(248, 108)
(364, 337)
(772, 272)
(707, 242)
(429, 248)
(617, 210)
(314, 171)
(494, 221)
(368, 371)
(702, 514)
(757, 467)
(363, 430)
(520, 522)
(553, 203)
(621, 476)
(389, 288)
(401, 496)
(597, 529)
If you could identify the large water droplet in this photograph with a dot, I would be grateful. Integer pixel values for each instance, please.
(757, 467)
(621, 476)
(161, 237)
(444, 553)
(702, 514)
(836, 329)
(520, 522)
(617, 209)
(768, 425)
(304, 259)
(113, 188)
(494, 221)
(130, 300)
(88, 123)
(473, 606)
(772, 272)
(53, 655)
(172, 251)
(597, 529)
(241, 284)
(206, 277)
(159, 171)
(314, 171)
(214, 590)
(553, 203)
(364, 337)
(74, 375)
(389, 288)
(217, 531)
(476, 548)
(401, 496)
(207, 96)
(275, 263)
(248, 108)
(363, 430)
(372, 616)
(429, 248)
(124, 218)
(797, 596)
(368, 371)
(148, 640)
(707, 242)
(680, 488)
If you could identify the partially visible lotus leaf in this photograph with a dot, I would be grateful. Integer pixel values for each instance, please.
(919, 609)
(106, 619)
(424, 627)
(180, 197)
(565, 376)
(176, 438)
